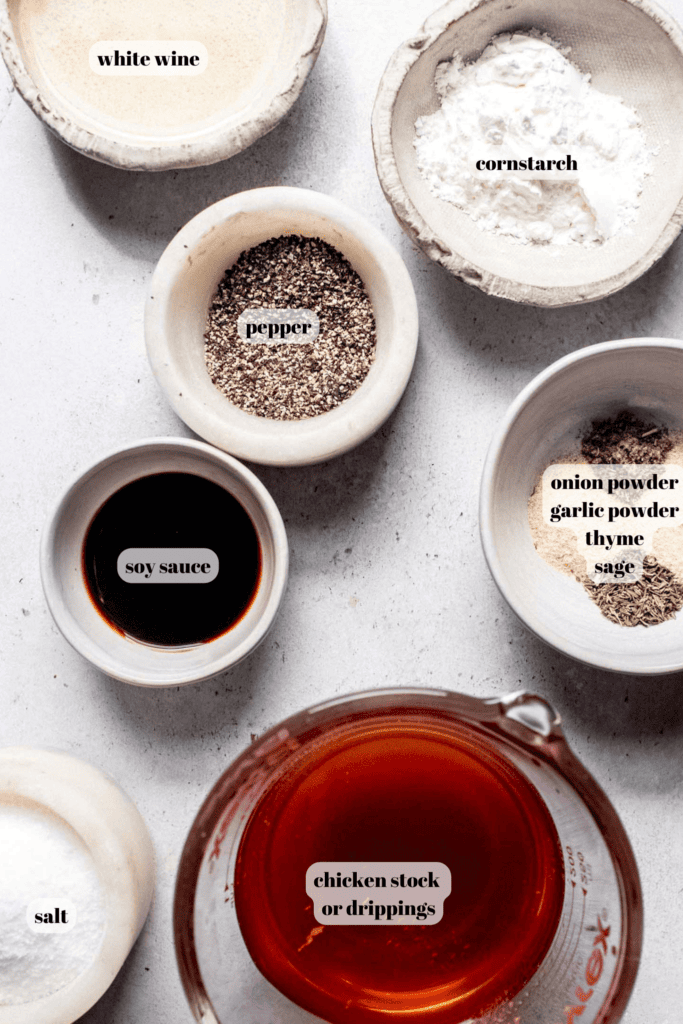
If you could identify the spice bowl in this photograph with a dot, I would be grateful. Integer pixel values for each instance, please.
(643, 376)
(131, 535)
(73, 828)
(226, 76)
(632, 50)
(181, 291)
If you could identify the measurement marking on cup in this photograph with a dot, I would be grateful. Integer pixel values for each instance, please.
(555, 965)
(580, 928)
(564, 959)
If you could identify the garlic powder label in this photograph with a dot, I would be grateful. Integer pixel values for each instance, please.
(614, 511)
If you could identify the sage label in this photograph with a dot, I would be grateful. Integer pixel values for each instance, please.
(614, 511)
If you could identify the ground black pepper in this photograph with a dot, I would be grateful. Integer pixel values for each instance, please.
(652, 599)
(291, 381)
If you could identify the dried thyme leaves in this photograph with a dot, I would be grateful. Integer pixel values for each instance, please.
(626, 439)
(658, 594)
(291, 381)
(652, 599)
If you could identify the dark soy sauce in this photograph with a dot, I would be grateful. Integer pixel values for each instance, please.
(172, 510)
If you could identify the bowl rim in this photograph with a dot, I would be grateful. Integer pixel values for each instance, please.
(427, 238)
(213, 145)
(88, 648)
(493, 460)
(285, 442)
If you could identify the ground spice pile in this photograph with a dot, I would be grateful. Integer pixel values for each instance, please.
(626, 439)
(658, 594)
(652, 599)
(291, 381)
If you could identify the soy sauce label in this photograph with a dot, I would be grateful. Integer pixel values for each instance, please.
(378, 892)
(167, 565)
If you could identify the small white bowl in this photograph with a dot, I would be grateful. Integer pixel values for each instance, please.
(643, 375)
(67, 594)
(632, 49)
(110, 826)
(186, 279)
(143, 123)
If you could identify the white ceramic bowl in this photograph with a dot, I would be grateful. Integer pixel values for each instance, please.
(142, 123)
(644, 375)
(185, 281)
(67, 595)
(116, 837)
(632, 49)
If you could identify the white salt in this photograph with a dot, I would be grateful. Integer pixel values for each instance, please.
(42, 856)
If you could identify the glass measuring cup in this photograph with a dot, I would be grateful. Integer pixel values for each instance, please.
(588, 965)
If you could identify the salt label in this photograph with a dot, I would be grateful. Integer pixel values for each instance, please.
(50, 915)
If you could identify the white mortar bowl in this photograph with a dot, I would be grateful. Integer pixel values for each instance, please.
(67, 594)
(186, 279)
(643, 375)
(631, 49)
(200, 138)
(55, 783)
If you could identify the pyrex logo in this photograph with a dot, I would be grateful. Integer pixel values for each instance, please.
(593, 973)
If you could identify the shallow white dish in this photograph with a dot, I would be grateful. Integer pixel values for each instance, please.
(67, 595)
(110, 826)
(184, 283)
(632, 49)
(258, 59)
(643, 375)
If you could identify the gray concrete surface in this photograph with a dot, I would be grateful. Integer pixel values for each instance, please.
(388, 583)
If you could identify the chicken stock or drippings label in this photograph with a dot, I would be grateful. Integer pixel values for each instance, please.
(378, 892)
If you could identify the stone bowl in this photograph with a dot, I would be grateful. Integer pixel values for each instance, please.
(161, 122)
(185, 281)
(631, 49)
